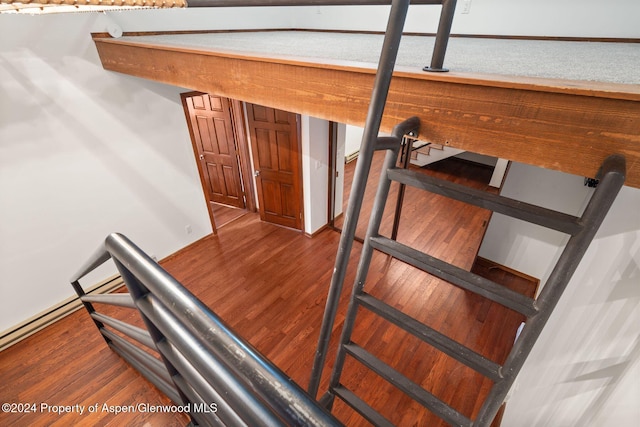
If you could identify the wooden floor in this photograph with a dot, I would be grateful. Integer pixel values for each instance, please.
(224, 214)
(269, 283)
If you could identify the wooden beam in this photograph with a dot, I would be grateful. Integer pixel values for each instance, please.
(564, 125)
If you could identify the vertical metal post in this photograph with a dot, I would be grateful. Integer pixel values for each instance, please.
(363, 266)
(89, 307)
(333, 170)
(407, 149)
(442, 37)
(381, 85)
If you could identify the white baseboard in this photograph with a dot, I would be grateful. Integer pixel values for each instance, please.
(42, 320)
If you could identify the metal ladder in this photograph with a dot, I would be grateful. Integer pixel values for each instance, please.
(381, 84)
(581, 229)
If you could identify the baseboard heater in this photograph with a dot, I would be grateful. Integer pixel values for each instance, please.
(53, 314)
(351, 157)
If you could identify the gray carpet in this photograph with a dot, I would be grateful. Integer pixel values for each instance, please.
(592, 61)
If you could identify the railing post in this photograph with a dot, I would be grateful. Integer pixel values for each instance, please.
(407, 149)
(442, 37)
(89, 307)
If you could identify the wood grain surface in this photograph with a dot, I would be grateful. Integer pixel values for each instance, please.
(565, 125)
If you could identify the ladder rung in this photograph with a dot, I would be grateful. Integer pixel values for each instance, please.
(465, 355)
(514, 208)
(412, 389)
(122, 300)
(361, 406)
(134, 332)
(456, 275)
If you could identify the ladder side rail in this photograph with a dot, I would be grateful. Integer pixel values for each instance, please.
(377, 211)
(612, 176)
(405, 160)
(382, 82)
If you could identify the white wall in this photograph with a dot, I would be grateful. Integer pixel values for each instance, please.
(315, 172)
(205, 18)
(511, 241)
(567, 18)
(585, 367)
(85, 152)
(353, 139)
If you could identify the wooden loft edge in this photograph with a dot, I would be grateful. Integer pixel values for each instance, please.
(539, 84)
(408, 33)
(250, 56)
(562, 125)
(576, 87)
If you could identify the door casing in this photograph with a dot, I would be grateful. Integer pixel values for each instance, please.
(238, 130)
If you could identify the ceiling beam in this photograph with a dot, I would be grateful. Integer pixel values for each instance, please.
(556, 124)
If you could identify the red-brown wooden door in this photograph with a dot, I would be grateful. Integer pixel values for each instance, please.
(213, 135)
(276, 161)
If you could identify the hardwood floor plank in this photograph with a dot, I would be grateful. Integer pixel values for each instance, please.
(270, 284)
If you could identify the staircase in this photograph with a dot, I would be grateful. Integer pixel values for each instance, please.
(430, 153)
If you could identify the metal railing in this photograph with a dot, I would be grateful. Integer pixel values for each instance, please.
(203, 365)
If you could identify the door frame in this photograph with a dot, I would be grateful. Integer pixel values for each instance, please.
(242, 146)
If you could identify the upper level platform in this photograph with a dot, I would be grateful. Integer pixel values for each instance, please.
(562, 105)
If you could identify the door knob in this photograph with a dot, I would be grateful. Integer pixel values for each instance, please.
(201, 156)
(256, 173)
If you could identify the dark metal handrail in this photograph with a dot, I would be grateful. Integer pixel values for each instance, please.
(217, 375)
(379, 94)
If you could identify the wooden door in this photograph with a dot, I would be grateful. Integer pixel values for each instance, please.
(213, 136)
(276, 161)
